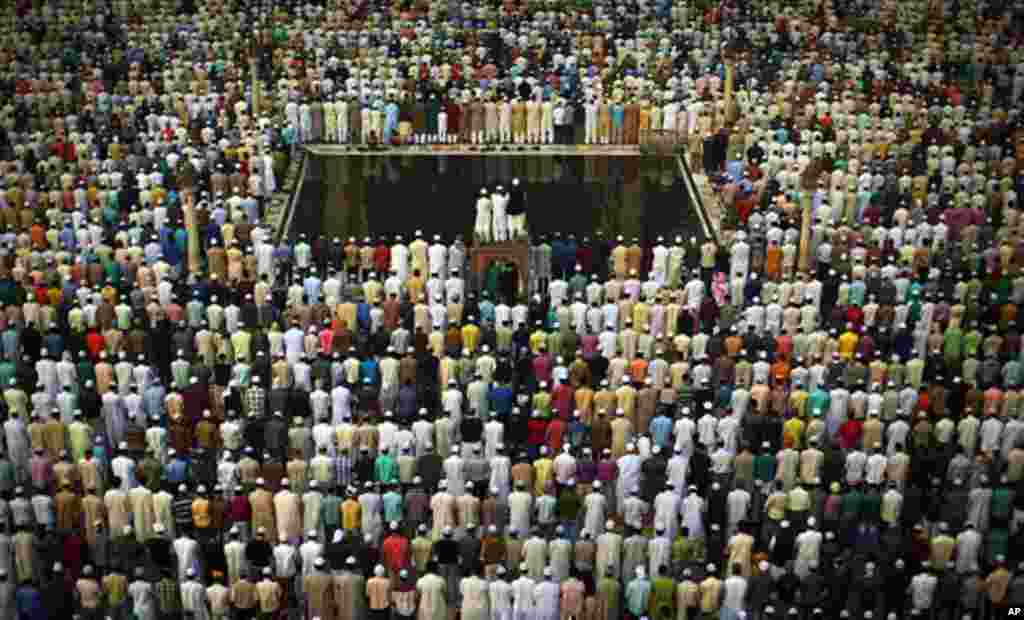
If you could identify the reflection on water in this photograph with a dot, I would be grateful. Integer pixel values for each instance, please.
(372, 195)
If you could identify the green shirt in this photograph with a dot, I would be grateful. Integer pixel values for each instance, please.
(609, 590)
(7, 372)
(385, 468)
(1000, 507)
(764, 467)
(662, 604)
(688, 549)
(638, 594)
(850, 506)
(818, 399)
(330, 511)
(568, 505)
(168, 593)
(6, 475)
(952, 342)
(998, 543)
(871, 507)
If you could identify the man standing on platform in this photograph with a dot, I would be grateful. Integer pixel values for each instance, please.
(516, 209)
(499, 200)
(484, 208)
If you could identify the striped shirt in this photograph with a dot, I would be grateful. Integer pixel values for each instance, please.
(182, 509)
(169, 595)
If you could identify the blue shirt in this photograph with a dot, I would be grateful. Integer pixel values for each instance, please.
(362, 315)
(392, 506)
(487, 311)
(501, 398)
(311, 286)
(177, 471)
(618, 115)
(407, 402)
(391, 116)
(368, 370)
(68, 239)
(29, 603)
(153, 400)
(54, 344)
(661, 430)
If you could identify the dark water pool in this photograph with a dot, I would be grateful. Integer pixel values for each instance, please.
(360, 195)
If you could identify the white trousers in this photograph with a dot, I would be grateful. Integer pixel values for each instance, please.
(591, 128)
(483, 226)
(500, 226)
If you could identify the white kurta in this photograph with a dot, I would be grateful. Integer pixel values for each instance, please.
(475, 599)
(808, 546)
(193, 599)
(187, 552)
(595, 506)
(143, 600)
(547, 596)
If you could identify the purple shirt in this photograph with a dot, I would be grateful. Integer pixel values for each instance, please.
(607, 471)
(586, 471)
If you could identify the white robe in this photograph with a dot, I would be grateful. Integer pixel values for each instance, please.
(547, 596)
(484, 211)
(808, 546)
(523, 606)
(475, 599)
(193, 599)
(693, 514)
(595, 507)
(520, 505)
(143, 600)
(187, 552)
(666, 514)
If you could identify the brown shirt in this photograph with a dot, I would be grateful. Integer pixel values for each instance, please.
(492, 550)
(243, 594)
(269, 594)
(378, 593)
(89, 593)
(69, 510)
(318, 589)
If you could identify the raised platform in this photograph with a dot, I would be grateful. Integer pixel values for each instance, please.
(433, 150)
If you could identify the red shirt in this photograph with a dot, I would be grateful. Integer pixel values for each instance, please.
(849, 433)
(239, 510)
(395, 552)
(382, 259)
(536, 431)
(854, 315)
(561, 400)
(555, 433)
(95, 342)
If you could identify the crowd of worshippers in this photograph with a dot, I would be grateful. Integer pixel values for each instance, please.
(647, 440)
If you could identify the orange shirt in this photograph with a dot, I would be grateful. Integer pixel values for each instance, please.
(351, 514)
(201, 512)
(38, 234)
(638, 370)
(773, 260)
